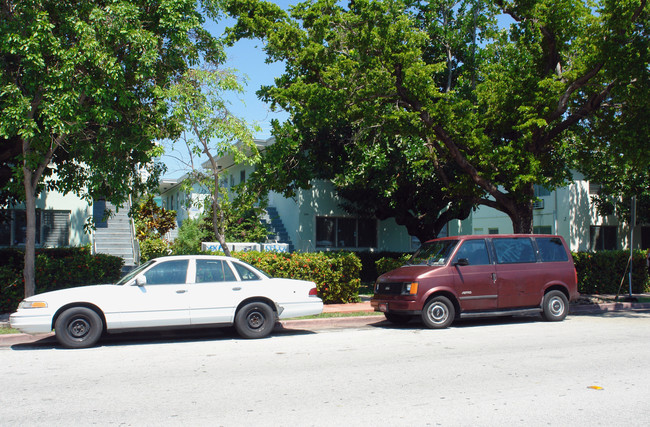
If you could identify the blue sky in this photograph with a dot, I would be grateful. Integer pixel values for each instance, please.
(247, 57)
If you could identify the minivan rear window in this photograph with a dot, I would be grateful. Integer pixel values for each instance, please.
(433, 253)
(551, 249)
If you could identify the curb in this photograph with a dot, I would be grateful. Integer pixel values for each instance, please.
(7, 340)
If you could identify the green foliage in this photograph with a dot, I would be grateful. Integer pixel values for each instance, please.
(55, 269)
(242, 219)
(153, 247)
(336, 274)
(374, 263)
(198, 102)
(190, 235)
(82, 94)
(385, 265)
(151, 220)
(601, 272)
(493, 111)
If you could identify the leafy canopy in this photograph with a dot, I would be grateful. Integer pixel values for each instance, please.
(506, 105)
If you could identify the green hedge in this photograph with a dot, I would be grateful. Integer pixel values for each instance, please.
(369, 266)
(336, 274)
(601, 272)
(598, 272)
(55, 269)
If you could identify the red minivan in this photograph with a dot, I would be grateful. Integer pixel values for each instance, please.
(475, 276)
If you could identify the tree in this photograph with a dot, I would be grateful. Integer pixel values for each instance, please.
(152, 223)
(81, 94)
(210, 129)
(505, 105)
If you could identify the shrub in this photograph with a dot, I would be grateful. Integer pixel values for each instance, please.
(385, 265)
(154, 247)
(601, 272)
(336, 274)
(55, 269)
(190, 235)
(369, 269)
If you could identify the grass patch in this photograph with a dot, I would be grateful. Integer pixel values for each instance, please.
(4, 331)
(330, 315)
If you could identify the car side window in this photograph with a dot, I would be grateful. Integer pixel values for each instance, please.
(208, 270)
(245, 273)
(474, 251)
(514, 250)
(551, 249)
(167, 272)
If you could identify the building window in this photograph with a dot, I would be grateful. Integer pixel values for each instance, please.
(645, 238)
(242, 177)
(541, 191)
(52, 227)
(602, 237)
(594, 188)
(346, 232)
(542, 229)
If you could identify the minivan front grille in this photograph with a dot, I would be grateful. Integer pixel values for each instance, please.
(389, 288)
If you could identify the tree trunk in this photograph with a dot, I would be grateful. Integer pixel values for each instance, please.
(30, 234)
(522, 218)
(217, 218)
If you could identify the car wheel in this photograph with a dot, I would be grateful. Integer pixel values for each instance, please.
(438, 313)
(555, 306)
(255, 320)
(78, 327)
(398, 319)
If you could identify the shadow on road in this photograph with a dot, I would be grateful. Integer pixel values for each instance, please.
(157, 337)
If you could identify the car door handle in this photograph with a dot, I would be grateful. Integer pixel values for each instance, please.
(494, 277)
(181, 291)
(237, 288)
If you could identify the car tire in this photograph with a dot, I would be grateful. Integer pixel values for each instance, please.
(398, 319)
(555, 306)
(78, 327)
(438, 313)
(255, 320)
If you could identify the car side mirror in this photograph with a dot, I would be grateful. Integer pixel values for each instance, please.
(141, 280)
(462, 262)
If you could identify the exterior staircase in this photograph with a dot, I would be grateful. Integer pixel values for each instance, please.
(115, 236)
(277, 231)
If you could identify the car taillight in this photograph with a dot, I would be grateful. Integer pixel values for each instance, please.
(313, 292)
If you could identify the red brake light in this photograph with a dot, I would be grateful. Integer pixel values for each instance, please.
(313, 292)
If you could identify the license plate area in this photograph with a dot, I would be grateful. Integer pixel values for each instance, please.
(383, 307)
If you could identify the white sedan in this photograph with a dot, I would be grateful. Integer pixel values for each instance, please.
(170, 292)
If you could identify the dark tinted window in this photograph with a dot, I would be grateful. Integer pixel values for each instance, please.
(474, 251)
(551, 249)
(209, 270)
(167, 273)
(514, 250)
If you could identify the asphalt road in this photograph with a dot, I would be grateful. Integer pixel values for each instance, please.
(587, 370)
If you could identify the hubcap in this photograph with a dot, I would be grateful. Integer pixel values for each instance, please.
(556, 305)
(255, 319)
(438, 313)
(79, 327)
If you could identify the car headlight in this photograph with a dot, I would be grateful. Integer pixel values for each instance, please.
(32, 304)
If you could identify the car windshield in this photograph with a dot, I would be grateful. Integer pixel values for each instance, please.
(131, 274)
(433, 253)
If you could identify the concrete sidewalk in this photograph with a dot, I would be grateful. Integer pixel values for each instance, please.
(587, 304)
